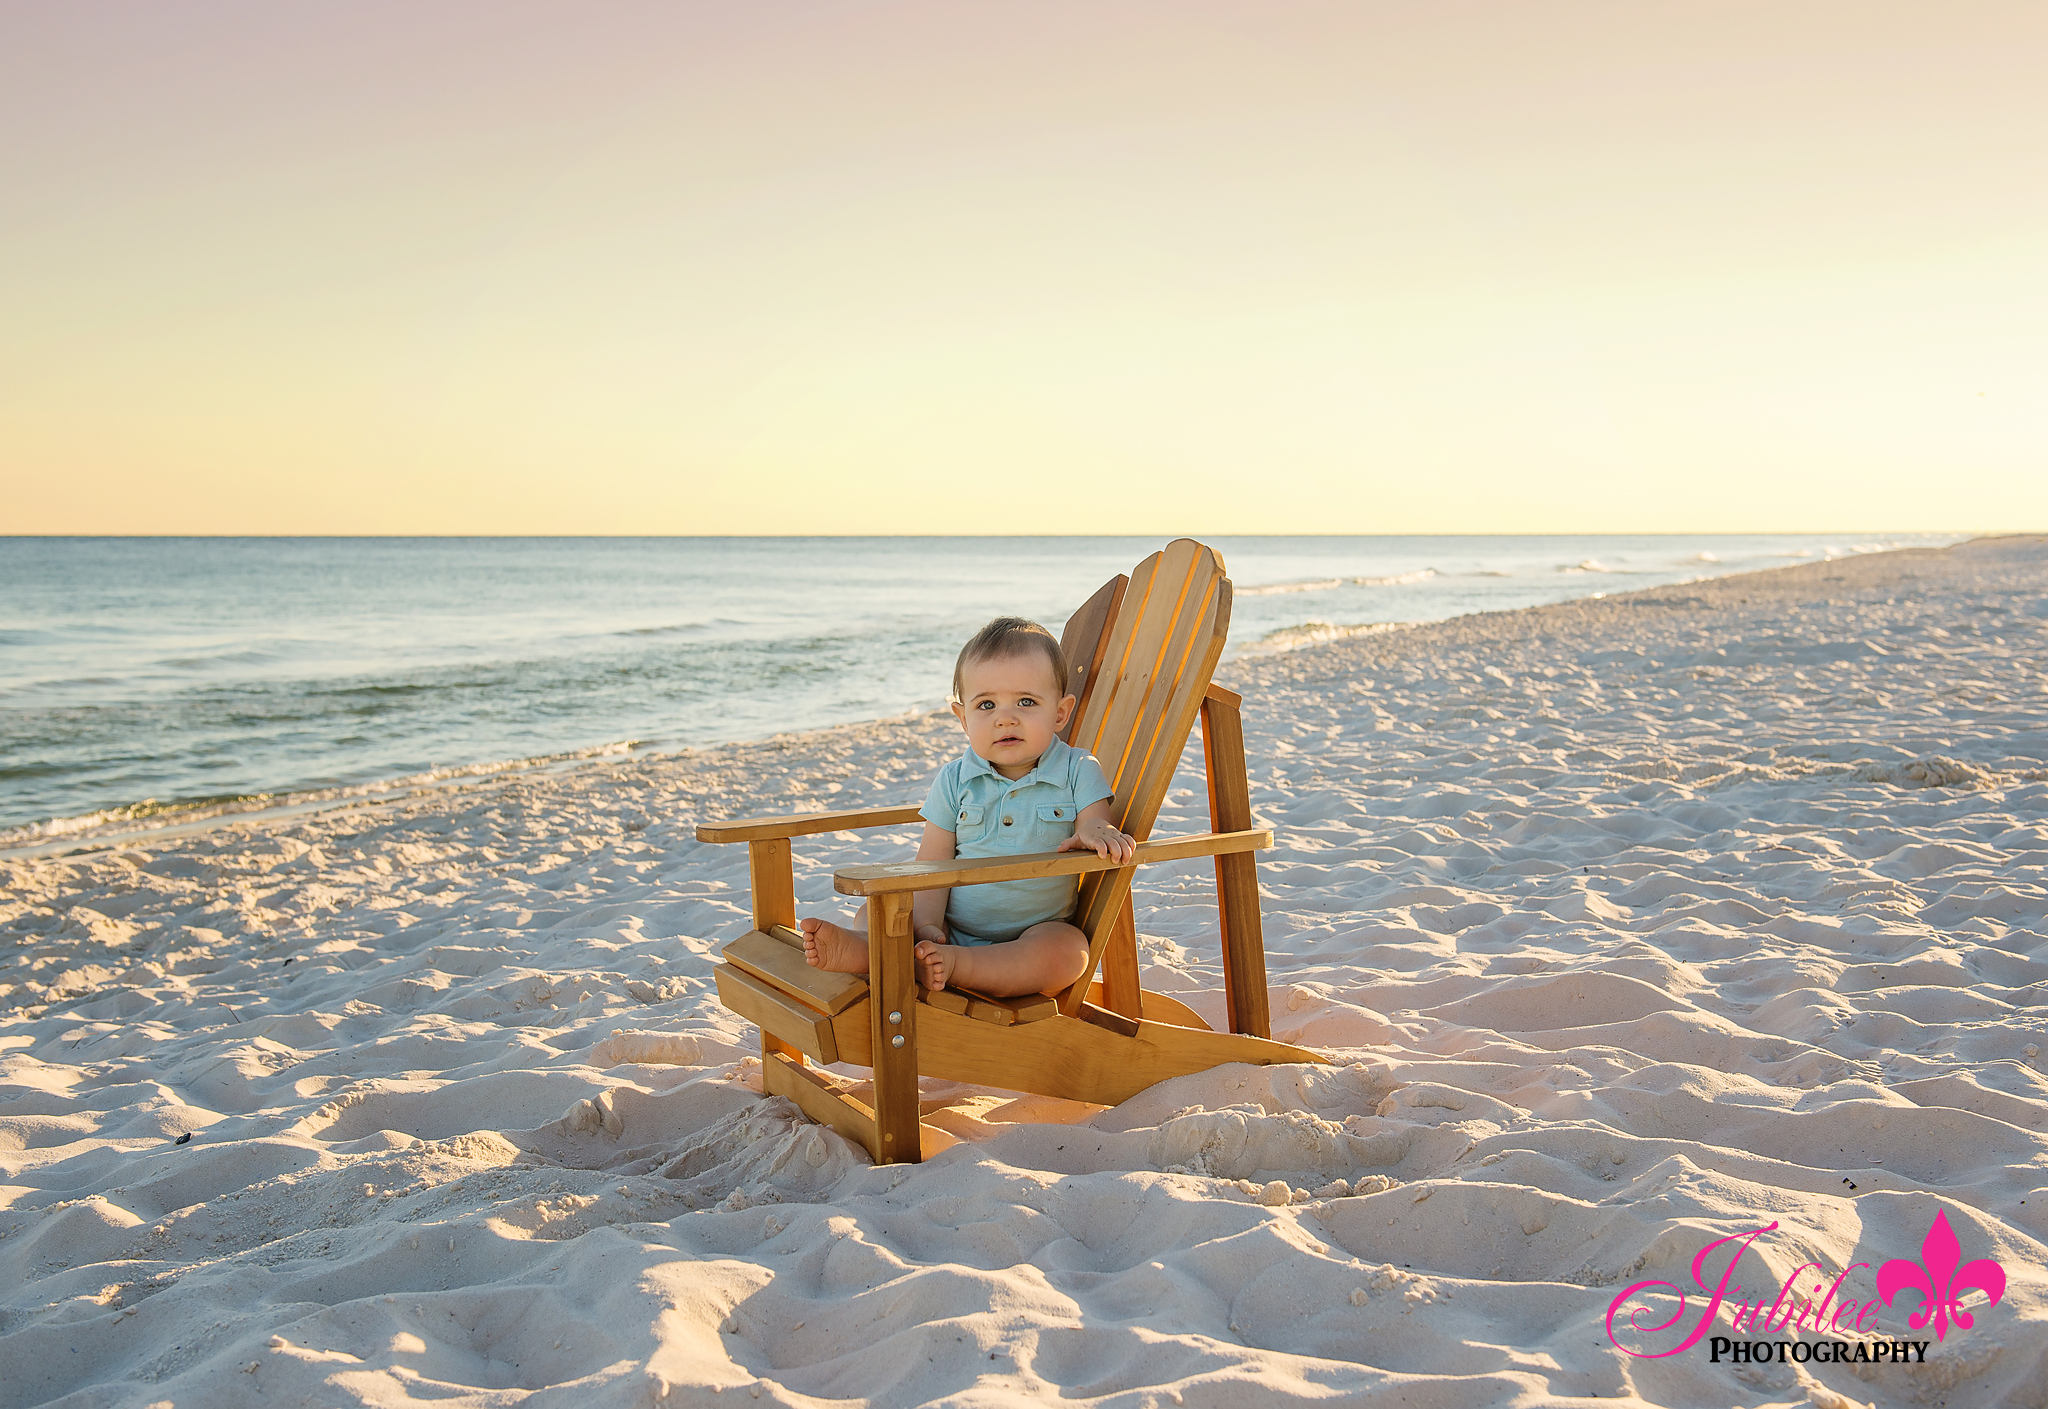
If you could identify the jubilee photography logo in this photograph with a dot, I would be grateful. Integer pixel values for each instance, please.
(1824, 1325)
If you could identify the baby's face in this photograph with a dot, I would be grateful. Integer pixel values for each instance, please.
(1012, 709)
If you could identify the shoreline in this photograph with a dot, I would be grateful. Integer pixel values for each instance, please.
(81, 835)
(1629, 924)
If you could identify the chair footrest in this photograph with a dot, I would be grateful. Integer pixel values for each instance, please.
(776, 957)
(777, 1013)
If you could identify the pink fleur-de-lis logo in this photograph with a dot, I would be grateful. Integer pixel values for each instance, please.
(1939, 1281)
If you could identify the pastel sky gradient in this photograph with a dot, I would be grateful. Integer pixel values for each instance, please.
(456, 266)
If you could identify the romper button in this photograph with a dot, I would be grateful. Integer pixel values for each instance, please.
(1007, 821)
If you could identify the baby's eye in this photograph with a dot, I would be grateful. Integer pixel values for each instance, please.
(985, 704)
(1026, 702)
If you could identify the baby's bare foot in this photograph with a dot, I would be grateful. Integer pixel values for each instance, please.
(935, 963)
(834, 948)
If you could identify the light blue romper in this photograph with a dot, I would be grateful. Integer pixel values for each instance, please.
(990, 815)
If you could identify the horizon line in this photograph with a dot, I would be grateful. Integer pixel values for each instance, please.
(1168, 534)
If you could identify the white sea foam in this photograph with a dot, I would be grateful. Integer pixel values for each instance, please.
(1272, 589)
(1315, 633)
(152, 816)
(1326, 584)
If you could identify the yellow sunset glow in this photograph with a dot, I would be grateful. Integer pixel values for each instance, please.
(972, 268)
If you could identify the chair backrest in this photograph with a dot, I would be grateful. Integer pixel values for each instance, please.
(1142, 651)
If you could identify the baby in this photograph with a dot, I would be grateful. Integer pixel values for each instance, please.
(1016, 790)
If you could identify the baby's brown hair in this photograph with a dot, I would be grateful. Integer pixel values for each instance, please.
(1012, 636)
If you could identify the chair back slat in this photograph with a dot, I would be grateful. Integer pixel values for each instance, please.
(1160, 651)
(1085, 641)
(1150, 764)
(1170, 710)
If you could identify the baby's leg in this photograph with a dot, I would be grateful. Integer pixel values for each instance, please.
(837, 949)
(1044, 959)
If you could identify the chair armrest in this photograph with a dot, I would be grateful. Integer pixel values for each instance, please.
(807, 824)
(932, 875)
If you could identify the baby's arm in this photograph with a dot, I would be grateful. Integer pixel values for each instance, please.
(928, 907)
(1092, 832)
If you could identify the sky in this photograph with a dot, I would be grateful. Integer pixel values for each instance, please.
(1104, 267)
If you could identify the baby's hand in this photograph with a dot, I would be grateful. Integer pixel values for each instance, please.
(1100, 837)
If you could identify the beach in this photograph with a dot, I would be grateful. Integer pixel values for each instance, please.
(1627, 924)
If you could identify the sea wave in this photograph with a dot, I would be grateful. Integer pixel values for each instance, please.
(678, 629)
(1325, 584)
(154, 814)
(1272, 589)
(55, 685)
(1593, 565)
(1317, 633)
(214, 660)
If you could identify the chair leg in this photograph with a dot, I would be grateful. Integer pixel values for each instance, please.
(1120, 967)
(892, 1029)
(783, 1075)
(1237, 876)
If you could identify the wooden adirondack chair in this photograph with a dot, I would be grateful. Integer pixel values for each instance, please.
(1141, 651)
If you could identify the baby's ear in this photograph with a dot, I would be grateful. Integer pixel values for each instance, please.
(1066, 712)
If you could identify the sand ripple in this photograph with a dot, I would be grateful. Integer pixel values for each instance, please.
(1630, 923)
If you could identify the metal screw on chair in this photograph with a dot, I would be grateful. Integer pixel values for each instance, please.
(897, 1040)
(896, 1018)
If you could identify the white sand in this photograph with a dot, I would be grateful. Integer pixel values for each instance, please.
(1628, 924)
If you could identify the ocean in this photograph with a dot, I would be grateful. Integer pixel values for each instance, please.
(146, 681)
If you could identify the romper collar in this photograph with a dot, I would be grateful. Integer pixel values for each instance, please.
(1050, 768)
